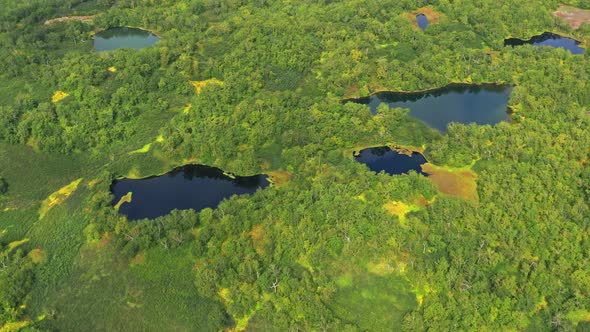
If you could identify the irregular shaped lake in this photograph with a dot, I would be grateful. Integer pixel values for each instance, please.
(188, 187)
(422, 21)
(116, 38)
(392, 162)
(480, 104)
(548, 39)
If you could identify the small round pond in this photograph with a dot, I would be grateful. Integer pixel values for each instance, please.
(461, 103)
(188, 187)
(548, 39)
(391, 161)
(117, 38)
(422, 21)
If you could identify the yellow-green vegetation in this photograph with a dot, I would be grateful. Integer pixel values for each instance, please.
(37, 255)
(15, 244)
(124, 199)
(400, 209)
(58, 197)
(430, 13)
(58, 96)
(85, 19)
(258, 238)
(580, 315)
(458, 182)
(144, 149)
(186, 108)
(199, 85)
(15, 326)
(327, 255)
(112, 69)
(279, 178)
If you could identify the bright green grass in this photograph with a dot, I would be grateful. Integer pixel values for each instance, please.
(374, 303)
(157, 294)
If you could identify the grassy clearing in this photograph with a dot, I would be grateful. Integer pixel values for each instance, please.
(279, 178)
(58, 96)
(85, 19)
(144, 149)
(457, 182)
(155, 295)
(258, 239)
(373, 302)
(400, 209)
(125, 199)
(432, 15)
(15, 244)
(58, 197)
(199, 85)
(575, 17)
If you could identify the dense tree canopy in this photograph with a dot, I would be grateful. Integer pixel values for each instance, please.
(258, 87)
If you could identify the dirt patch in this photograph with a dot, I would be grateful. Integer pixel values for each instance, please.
(279, 178)
(37, 255)
(84, 19)
(257, 233)
(453, 182)
(138, 259)
(575, 17)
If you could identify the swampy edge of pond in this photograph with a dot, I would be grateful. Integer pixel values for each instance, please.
(186, 187)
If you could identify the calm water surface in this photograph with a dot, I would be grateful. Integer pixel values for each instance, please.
(480, 104)
(422, 21)
(116, 38)
(548, 39)
(392, 162)
(188, 187)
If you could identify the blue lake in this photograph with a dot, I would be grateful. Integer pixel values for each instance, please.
(548, 39)
(117, 38)
(480, 104)
(188, 187)
(422, 21)
(392, 162)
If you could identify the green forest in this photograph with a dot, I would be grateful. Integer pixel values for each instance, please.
(257, 87)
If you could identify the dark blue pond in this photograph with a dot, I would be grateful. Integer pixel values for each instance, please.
(480, 104)
(548, 39)
(392, 162)
(188, 187)
(116, 38)
(422, 21)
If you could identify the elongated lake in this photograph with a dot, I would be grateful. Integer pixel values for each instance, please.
(188, 187)
(480, 104)
(548, 39)
(391, 161)
(116, 38)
